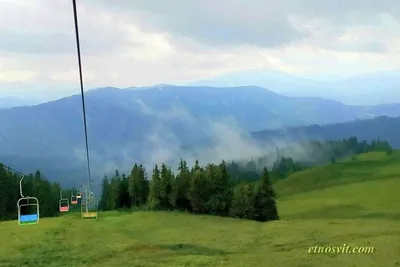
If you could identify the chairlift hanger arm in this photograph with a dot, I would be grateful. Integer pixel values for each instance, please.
(20, 185)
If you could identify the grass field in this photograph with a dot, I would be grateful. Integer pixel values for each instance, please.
(353, 202)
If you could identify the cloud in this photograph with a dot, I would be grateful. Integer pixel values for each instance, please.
(141, 43)
(17, 76)
(264, 23)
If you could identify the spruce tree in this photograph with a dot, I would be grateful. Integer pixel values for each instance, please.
(115, 191)
(124, 198)
(197, 191)
(220, 194)
(183, 180)
(143, 185)
(154, 198)
(243, 202)
(105, 194)
(133, 186)
(265, 208)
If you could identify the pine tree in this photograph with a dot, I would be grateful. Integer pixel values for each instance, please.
(171, 189)
(243, 202)
(166, 187)
(124, 198)
(198, 191)
(115, 191)
(220, 193)
(133, 185)
(154, 199)
(105, 194)
(183, 180)
(266, 208)
(196, 165)
(143, 185)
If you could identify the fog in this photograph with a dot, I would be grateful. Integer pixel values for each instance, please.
(226, 141)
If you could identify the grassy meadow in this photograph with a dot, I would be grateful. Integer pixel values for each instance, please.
(353, 202)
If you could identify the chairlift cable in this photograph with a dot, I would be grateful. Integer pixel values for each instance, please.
(82, 93)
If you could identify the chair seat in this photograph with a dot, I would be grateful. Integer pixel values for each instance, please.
(28, 218)
(63, 209)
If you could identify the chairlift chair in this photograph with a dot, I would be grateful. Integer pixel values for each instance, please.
(74, 199)
(31, 218)
(63, 204)
(89, 207)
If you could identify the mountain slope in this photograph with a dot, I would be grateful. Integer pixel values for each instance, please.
(117, 117)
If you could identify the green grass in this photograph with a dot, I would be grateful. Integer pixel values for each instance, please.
(353, 202)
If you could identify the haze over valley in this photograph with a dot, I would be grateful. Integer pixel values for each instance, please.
(165, 123)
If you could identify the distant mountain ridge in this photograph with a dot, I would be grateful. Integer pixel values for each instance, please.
(365, 89)
(157, 124)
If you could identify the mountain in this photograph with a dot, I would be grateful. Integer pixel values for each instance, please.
(160, 123)
(367, 89)
(383, 127)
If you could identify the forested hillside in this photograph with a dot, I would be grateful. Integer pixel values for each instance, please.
(383, 127)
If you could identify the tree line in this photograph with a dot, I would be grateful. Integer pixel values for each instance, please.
(200, 189)
(48, 193)
(239, 188)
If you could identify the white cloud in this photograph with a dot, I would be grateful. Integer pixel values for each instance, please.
(17, 76)
(71, 76)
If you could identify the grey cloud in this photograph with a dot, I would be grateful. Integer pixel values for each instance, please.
(264, 23)
(48, 28)
(56, 43)
(228, 22)
(38, 43)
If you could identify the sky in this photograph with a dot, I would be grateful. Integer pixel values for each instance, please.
(128, 43)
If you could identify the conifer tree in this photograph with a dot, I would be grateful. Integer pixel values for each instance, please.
(166, 192)
(154, 198)
(266, 208)
(143, 185)
(243, 202)
(124, 198)
(183, 180)
(115, 191)
(198, 191)
(104, 204)
(220, 193)
(133, 186)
